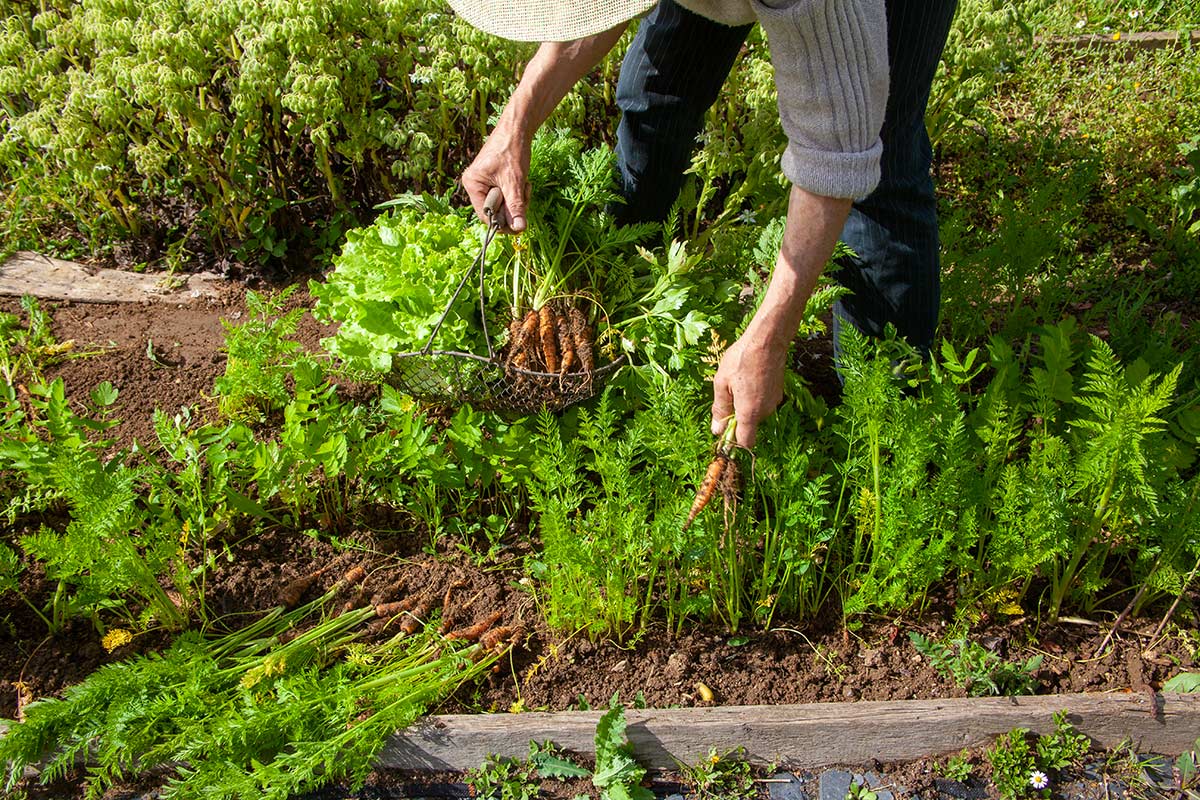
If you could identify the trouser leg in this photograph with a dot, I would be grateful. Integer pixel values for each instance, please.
(671, 75)
(895, 275)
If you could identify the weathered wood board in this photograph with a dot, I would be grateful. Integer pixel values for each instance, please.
(55, 279)
(805, 736)
(1145, 40)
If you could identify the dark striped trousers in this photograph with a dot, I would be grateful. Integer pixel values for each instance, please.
(673, 73)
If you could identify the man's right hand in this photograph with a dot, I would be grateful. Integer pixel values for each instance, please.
(502, 161)
(504, 158)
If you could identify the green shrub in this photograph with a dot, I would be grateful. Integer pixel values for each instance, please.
(262, 116)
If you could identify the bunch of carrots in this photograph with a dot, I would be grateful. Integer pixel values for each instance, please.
(552, 340)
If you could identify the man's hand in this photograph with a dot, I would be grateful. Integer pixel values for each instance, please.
(502, 161)
(749, 379)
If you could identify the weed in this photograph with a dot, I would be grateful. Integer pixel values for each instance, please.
(1021, 768)
(720, 777)
(503, 779)
(957, 768)
(860, 791)
(976, 669)
(617, 775)
(1184, 682)
(26, 350)
(260, 357)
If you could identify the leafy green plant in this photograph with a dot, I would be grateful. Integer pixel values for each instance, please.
(503, 779)
(282, 706)
(1187, 767)
(860, 791)
(957, 768)
(985, 43)
(1021, 768)
(26, 349)
(269, 121)
(1184, 682)
(618, 776)
(977, 669)
(392, 281)
(259, 357)
(721, 777)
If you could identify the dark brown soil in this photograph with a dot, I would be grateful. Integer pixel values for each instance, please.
(822, 661)
(157, 355)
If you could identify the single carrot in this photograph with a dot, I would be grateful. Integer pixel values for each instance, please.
(353, 575)
(416, 618)
(447, 610)
(713, 476)
(473, 632)
(581, 335)
(522, 333)
(549, 334)
(708, 486)
(294, 591)
(495, 637)
(566, 343)
(392, 609)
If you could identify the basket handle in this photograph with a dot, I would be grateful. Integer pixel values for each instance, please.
(491, 208)
(491, 205)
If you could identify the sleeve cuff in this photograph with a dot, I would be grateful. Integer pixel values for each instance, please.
(832, 173)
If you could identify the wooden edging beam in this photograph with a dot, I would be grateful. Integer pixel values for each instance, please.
(806, 736)
(1145, 40)
(27, 273)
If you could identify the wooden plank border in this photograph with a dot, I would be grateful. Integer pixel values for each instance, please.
(54, 279)
(806, 736)
(1143, 40)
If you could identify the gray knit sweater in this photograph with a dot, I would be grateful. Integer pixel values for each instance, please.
(831, 75)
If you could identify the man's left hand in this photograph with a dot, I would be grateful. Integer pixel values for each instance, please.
(748, 384)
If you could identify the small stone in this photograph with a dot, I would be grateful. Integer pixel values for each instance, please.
(958, 790)
(619, 666)
(835, 784)
(786, 786)
(873, 782)
(1157, 771)
(872, 658)
(849, 692)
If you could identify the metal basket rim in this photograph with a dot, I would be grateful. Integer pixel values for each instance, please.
(611, 366)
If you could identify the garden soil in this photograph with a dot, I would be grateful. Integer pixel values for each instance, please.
(167, 356)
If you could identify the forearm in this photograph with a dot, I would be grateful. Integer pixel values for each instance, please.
(750, 377)
(550, 74)
(814, 223)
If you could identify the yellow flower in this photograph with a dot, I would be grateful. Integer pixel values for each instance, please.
(1137, 85)
(115, 638)
(1117, 36)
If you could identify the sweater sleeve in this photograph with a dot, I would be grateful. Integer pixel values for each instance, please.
(831, 75)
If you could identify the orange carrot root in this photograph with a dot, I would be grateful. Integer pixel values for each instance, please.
(528, 329)
(416, 618)
(294, 591)
(566, 343)
(494, 637)
(549, 334)
(473, 632)
(708, 486)
(581, 336)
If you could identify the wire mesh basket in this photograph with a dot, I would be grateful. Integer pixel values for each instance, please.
(451, 378)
